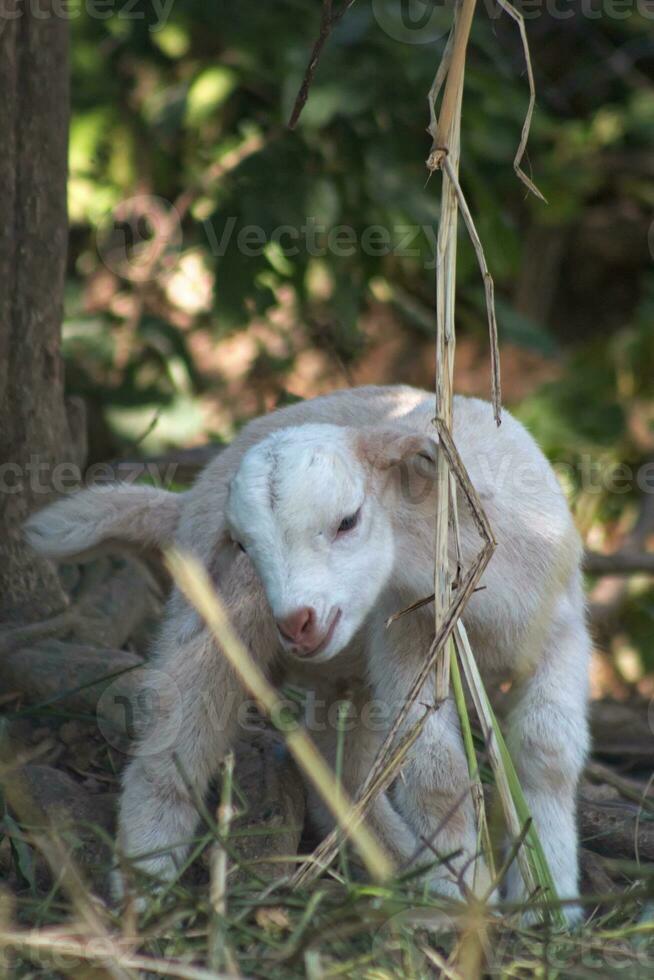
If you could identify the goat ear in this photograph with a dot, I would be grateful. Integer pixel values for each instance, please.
(119, 514)
(383, 448)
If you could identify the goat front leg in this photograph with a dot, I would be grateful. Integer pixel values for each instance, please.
(433, 791)
(548, 741)
(361, 745)
(434, 795)
(194, 725)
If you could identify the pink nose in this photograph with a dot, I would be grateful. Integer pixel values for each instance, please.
(300, 628)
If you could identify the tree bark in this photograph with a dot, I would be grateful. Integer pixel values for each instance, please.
(35, 434)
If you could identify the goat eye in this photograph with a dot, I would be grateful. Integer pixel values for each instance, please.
(349, 522)
(240, 546)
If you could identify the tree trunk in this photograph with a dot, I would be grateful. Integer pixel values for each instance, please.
(35, 434)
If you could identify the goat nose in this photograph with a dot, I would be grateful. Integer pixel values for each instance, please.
(298, 626)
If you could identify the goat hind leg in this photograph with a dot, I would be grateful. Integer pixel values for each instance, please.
(548, 741)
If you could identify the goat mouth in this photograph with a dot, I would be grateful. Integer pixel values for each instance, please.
(326, 640)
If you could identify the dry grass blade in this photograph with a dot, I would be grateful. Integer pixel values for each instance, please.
(444, 154)
(196, 585)
(450, 115)
(464, 483)
(220, 954)
(489, 289)
(446, 143)
(441, 964)
(526, 126)
(437, 84)
(412, 607)
(445, 341)
(419, 603)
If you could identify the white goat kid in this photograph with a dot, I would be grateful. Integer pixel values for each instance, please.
(317, 524)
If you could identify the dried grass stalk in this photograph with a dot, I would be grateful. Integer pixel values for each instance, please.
(489, 289)
(526, 126)
(446, 143)
(444, 155)
(220, 953)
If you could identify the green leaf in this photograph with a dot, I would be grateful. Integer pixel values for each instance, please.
(211, 88)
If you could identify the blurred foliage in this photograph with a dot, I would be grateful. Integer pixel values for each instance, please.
(280, 243)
